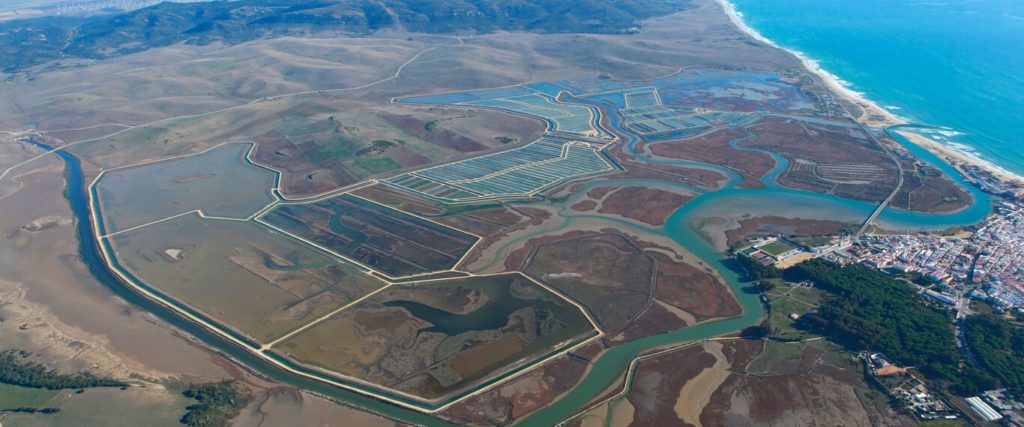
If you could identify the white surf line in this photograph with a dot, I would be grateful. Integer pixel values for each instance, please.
(191, 116)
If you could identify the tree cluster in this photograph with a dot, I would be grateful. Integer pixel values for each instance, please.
(868, 310)
(16, 370)
(216, 403)
(998, 348)
(758, 271)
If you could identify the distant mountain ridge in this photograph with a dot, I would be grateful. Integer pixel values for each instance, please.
(30, 42)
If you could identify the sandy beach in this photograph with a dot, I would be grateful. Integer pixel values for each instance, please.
(952, 156)
(873, 115)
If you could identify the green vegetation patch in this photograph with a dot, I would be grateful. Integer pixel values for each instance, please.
(776, 248)
(377, 165)
(216, 404)
(12, 396)
(998, 347)
(16, 369)
(868, 310)
(778, 358)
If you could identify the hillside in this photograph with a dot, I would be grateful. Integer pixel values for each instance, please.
(30, 42)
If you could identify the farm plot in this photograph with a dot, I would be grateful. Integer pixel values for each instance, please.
(392, 242)
(521, 172)
(239, 274)
(433, 339)
(220, 182)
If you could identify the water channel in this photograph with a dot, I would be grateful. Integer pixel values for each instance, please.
(609, 366)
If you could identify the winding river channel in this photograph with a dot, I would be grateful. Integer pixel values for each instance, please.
(610, 365)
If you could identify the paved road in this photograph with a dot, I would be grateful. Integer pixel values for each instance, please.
(899, 183)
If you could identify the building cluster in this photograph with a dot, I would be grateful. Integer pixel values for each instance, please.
(994, 405)
(909, 390)
(985, 262)
(773, 250)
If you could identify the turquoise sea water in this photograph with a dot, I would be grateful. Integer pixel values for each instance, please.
(950, 63)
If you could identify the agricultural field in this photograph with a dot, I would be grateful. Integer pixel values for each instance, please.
(12, 396)
(239, 273)
(432, 339)
(381, 238)
(607, 273)
(219, 182)
(633, 289)
(832, 158)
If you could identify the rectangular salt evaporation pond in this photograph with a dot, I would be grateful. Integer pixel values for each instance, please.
(392, 242)
(564, 117)
(239, 273)
(514, 173)
(220, 182)
(434, 339)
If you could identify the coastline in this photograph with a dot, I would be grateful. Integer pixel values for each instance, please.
(873, 115)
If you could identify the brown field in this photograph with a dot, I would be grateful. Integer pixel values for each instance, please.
(708, 384)
(433, 339)
(387, 240)
(714, 148)
(525, 394)
(827, 159)
(584, 206)
(406, 202)
(607, 273)
(648, 205)
(926, 188)
(339, 147)
(774, 225)
(631, 287)
(694, 176)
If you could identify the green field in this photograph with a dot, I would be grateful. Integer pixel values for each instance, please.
(108, 407)
(776, 359)
(12, 396)
(776, 248)
(786, 299)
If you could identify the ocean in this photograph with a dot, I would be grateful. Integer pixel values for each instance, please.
(954, 64)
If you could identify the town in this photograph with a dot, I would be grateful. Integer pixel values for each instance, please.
(983, 262)
(962, 271)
